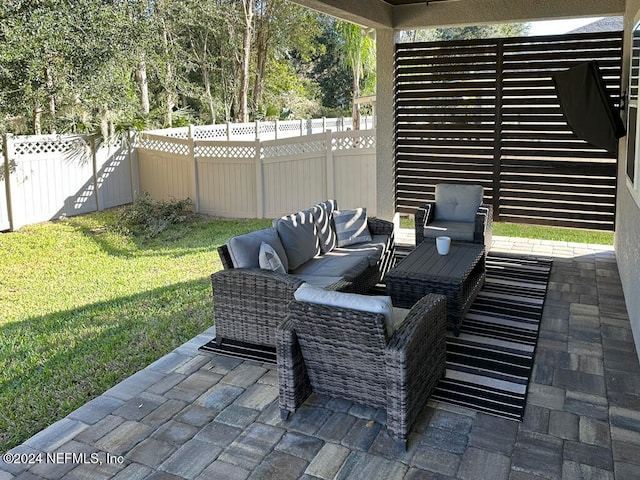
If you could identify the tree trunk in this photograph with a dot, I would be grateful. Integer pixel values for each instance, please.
(37, 120)
(207, 91)
(261, 54)
(104, 123)
(52, 101)
(169, 83)
(355, 110)
(243, 112)
(143, 83)
(171, 103)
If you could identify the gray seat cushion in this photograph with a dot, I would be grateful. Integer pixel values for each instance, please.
(334, 266)
(457, 203)
(458, 231)
(317, 281)
(371, 250)
(244, 250)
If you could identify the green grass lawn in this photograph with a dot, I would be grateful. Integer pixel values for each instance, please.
(82, 307)
(539, 232)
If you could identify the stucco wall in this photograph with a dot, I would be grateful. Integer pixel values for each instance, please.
(627, 236)
(385, 47)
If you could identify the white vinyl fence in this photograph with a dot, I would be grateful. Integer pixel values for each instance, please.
(261, 179)
(46, 177)
(268, 130)
(269, 169)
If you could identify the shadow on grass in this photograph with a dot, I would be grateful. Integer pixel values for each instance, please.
(53, 364)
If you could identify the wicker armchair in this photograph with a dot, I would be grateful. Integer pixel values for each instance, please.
(346, 353)
(432, 221)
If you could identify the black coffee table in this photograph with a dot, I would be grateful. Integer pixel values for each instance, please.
(459, 275)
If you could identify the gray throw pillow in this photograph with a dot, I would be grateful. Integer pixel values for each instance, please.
(351, 226)
(245, 249)
(323, 216)
(298, 235)
(269, 259)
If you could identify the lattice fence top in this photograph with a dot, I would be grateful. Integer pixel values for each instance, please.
(277, 149)
(49, 144)
(178, 132)
(163, 144)
(210, 132)
(288, 126)
(227, 150)
(267, 127)
(243, 129)
(340, 142)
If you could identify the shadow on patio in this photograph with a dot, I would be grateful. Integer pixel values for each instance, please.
(194, 415)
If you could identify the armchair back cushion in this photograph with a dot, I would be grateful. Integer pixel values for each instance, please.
(457, 203)
(298, 235)
(244, 250)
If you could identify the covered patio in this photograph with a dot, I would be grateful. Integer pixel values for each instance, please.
(195, 415)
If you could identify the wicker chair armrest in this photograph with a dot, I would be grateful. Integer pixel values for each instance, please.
(243, 277)
(248, 303)
(225, 257)
(483, 225)
(378, 226)
(415, 362)
(293, 382)
(424, 215)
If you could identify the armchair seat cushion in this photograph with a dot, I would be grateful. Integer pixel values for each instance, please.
(458, 231)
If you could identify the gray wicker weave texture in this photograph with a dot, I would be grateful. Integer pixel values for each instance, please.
(345, 353)
(459, 276)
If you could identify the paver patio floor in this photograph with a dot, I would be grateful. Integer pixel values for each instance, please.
(194, 415)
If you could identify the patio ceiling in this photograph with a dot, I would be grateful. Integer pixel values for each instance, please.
(410, 14)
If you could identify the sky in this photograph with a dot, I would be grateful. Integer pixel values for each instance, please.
(556, 27)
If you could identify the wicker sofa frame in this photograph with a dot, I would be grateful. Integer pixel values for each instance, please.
(483, 224)
(249, 303)
(345, 353)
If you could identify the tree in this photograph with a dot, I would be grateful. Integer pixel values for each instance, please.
(358, 53)
(325, 68)
(466, 33)
(91, 65)
(283, 31)
(52, 52)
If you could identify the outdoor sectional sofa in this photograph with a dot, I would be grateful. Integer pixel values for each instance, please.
(323, 246)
